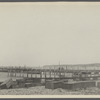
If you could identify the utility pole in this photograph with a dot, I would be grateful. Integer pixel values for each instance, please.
(59, 70)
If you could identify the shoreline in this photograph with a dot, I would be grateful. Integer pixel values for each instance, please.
(40, 90)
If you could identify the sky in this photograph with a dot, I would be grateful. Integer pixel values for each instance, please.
(37, 34)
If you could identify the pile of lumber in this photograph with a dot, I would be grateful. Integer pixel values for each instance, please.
(6, 84)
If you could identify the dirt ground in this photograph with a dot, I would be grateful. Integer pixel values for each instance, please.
(41, 90)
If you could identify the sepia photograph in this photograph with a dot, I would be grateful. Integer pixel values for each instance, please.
(50, 49)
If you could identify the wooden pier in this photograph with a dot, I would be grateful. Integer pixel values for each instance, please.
(53, 76)
(52, 73)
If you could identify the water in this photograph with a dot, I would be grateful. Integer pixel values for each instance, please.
(3, 76)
